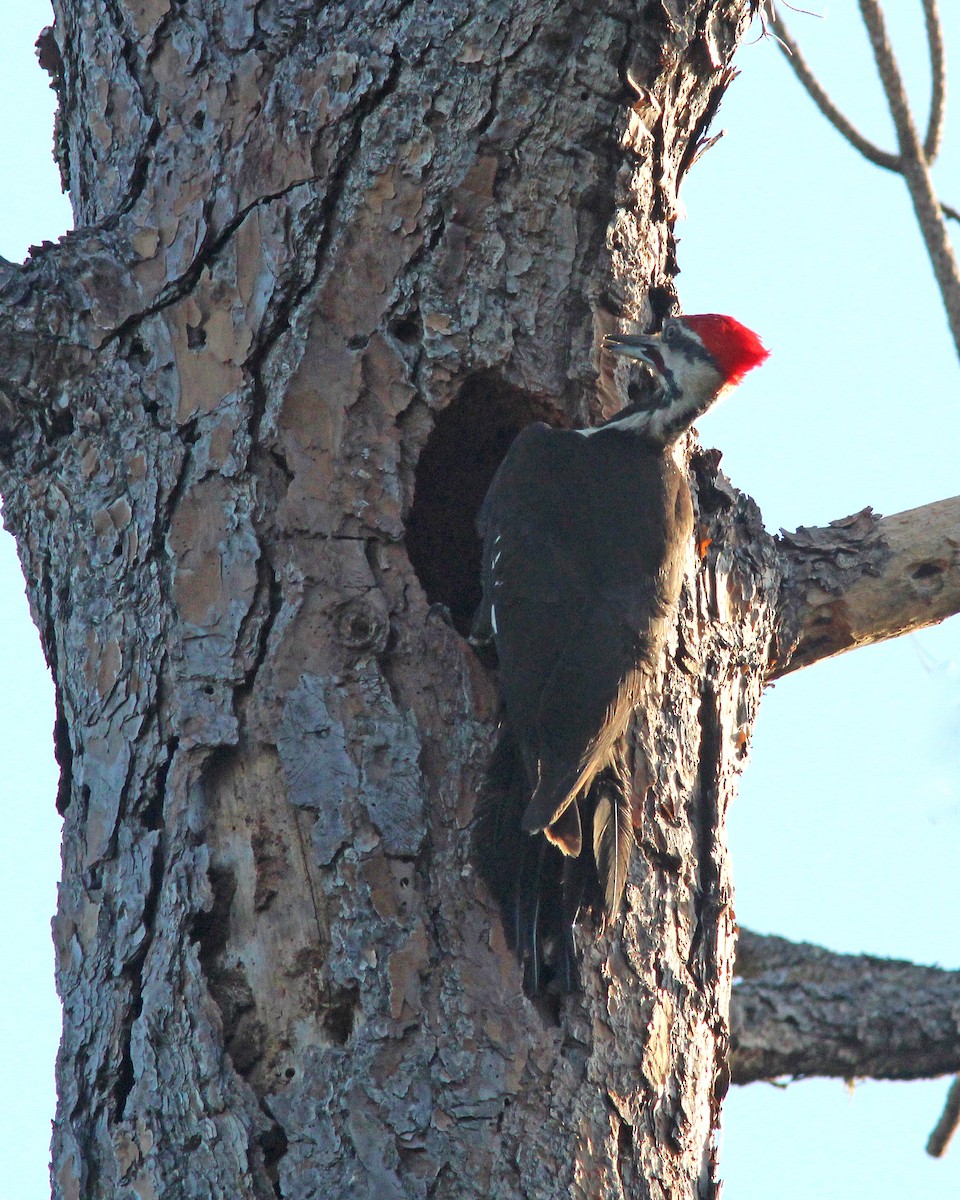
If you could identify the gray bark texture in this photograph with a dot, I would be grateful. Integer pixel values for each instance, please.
(328, 260)
(802, 1010)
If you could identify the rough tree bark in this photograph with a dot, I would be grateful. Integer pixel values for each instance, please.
(328, 260)
(802, 1010)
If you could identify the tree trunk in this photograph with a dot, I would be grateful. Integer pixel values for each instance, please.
(328, 260)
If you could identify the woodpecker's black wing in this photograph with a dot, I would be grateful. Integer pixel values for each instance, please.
(583, 539)
(576, 582)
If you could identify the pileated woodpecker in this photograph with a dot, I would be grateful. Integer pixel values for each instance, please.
(585, 534)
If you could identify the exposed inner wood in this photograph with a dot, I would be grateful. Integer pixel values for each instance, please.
(866, 578)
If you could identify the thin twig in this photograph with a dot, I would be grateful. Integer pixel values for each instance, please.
(938, 73)
(913, 161)
(915, 169)
(801, 68)
(946, 1127)
(879, 157)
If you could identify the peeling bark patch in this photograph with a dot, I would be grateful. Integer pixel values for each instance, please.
(391, 782)
(827, 557)
(827, 560)
(468, 442)
(319, 771)
(324, 777)
(406, 966)
(216, 553)
(375, 1147)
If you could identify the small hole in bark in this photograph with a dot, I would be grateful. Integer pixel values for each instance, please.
(461, 456)
(273, 1143)
(61, 422)
(927, 570)
(662, 300)
(339, 1018)
(196, 337)
(405, 329)
(123, 1084)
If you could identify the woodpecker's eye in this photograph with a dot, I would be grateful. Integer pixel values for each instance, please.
(669, 333)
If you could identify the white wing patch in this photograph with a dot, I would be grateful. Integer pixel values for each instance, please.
(493, 572)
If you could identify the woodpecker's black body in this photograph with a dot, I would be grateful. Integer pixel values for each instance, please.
(584, 542)
(585, 537)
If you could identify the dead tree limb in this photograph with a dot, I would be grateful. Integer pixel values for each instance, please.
(801, 1010)
(866, 578)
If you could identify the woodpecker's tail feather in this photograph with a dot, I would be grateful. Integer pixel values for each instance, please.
(540, 890)
(612, 836)
(566, 832)
(538, 893)
(499, 853)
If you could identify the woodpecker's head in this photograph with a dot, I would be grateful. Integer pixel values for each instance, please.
(696, 359)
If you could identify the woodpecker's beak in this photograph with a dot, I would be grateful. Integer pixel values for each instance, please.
(643, 348)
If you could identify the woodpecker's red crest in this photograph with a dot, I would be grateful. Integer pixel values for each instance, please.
(734, 348)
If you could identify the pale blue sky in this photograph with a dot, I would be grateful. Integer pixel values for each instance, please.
(847, 829)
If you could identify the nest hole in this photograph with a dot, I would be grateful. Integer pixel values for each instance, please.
(468, 442)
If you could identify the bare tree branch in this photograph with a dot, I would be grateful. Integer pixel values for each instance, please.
(913, 161)
(938, 73)
(801, 1010)
(915, 169)
(803, 71)
(946, 1127)
(865, 579)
